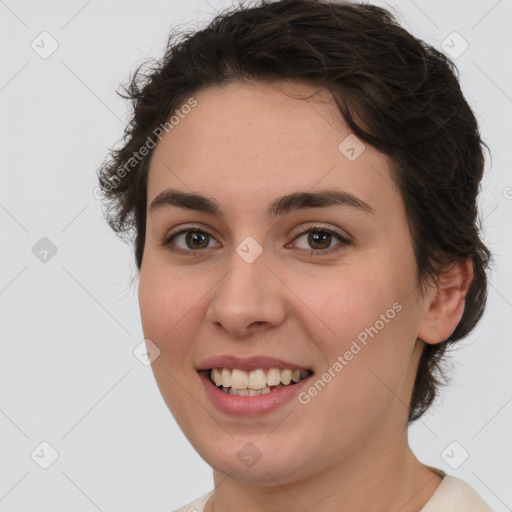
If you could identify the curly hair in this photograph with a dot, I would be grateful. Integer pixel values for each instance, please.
(394, 91)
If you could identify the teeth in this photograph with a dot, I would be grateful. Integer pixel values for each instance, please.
(255, 382)
(226, 378)
(257, 379)
(273, 377)
(217, 377)
(286, 377)
(239, 379)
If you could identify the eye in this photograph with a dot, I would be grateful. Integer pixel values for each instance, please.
(319, 239)
(191, 240)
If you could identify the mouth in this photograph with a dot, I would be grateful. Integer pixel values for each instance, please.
(238, 382)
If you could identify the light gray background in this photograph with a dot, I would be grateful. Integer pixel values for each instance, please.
(70, 325)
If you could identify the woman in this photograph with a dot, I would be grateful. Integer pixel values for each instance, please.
(301, 178)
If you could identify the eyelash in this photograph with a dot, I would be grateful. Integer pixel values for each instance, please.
(315, 229)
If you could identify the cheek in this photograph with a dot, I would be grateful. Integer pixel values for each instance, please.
(346, 304)
(167, 305)
(169, 309)
(367, 317)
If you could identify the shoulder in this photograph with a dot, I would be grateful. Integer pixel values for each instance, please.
(454, 494)
(197, 505)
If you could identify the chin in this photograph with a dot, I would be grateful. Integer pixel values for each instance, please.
(253, 461)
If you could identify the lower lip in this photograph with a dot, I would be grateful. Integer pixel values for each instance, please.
(249, 405)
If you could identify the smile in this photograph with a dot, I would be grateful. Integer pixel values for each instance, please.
(250, 402)
(257, 382)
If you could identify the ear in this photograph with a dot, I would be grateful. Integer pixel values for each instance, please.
(445, 302)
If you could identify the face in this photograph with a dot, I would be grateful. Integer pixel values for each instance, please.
(323, 285)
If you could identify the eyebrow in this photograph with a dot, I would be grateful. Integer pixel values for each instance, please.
(279, 206)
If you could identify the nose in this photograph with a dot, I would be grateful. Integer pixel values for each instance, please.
(247, 299)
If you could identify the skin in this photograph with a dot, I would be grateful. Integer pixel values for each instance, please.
(347, 449)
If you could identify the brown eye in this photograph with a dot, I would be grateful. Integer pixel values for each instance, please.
(189, 240)
(196, 237)
(319, 241)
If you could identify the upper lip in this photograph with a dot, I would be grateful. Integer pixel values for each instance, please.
(247, 363)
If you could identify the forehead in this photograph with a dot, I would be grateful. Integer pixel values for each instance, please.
(249, 120)
(259, 141)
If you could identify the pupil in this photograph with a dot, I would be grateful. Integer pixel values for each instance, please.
(195, 237)
(316, 237)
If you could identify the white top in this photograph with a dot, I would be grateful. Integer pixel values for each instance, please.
(452, 495)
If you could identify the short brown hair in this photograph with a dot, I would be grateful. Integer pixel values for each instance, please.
(394, 91)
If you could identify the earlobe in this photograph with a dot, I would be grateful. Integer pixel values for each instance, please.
(445, 303)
